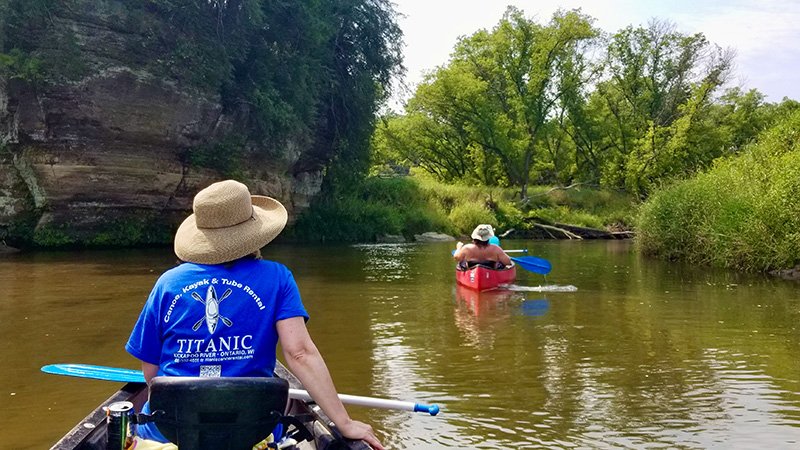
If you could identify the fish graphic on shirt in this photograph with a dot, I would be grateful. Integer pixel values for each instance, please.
(212, 315)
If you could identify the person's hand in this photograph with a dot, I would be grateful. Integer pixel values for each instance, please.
(360, 430)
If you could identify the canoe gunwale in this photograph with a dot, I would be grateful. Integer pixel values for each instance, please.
(91, 429)
(322, 420)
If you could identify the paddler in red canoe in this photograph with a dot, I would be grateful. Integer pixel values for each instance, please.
(480, 251)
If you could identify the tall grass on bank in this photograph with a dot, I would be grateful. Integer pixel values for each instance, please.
(416, 204)
(583, 206)
(742, 214)
(376, 207)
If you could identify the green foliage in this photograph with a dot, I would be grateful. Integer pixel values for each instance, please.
(370, 209)
(33, 48)
(509, 216)
(744, 213)
(16, 64)
(656, 102)
(53, 236)
(528, 103)
(133, 230)
(567, 215)
(20, 231)
(465, 216)
(304, 72)
(483, 116)
(224, 156)
(584, 206)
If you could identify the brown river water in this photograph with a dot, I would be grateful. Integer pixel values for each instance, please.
(623, 353)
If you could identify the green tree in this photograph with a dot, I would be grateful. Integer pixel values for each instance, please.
(436, 148)
(659, 85)
(740, 116)
(498, 91)
(365, 48)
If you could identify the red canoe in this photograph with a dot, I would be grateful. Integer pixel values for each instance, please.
(483, 278)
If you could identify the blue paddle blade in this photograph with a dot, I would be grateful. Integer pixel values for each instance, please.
(95, 372)
(533, 264)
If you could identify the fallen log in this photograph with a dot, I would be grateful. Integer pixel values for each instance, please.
(557, 230)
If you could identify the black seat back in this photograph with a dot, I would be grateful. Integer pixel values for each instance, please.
(232, 413)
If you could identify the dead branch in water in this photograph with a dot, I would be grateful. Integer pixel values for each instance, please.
(564, 188)
(566, 233)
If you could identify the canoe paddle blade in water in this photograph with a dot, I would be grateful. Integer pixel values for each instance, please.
(533, 264)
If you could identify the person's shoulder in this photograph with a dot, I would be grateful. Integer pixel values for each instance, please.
(175, 276)
(272, 266)
(175, 272)
(498, 250)
(466, 248)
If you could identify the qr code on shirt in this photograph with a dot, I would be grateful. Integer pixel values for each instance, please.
(210, 371)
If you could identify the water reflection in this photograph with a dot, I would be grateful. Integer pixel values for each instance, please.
(479, 314)
(386, 262)
(486, 303)
(534, 308)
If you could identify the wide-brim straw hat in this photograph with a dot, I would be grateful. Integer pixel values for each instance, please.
(227, 224)
(483, 232)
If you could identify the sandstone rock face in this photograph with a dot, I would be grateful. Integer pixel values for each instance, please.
(102, 161)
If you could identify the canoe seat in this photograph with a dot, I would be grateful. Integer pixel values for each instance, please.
(217, 413)
(494, 265)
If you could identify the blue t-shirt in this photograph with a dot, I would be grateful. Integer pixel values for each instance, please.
(215, 320)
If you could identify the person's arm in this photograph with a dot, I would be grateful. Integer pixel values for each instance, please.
(305, 361)
(149, 370)
(458, 253)
(502, 256)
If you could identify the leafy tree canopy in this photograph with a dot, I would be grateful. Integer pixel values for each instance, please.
(561, 103)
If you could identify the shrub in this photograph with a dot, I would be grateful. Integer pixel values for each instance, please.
(415, 204)
(744, 213)
(466, 216)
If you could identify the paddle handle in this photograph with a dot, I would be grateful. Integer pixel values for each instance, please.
(371, 402)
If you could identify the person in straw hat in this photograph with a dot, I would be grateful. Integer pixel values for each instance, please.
(480, 251)
(223, 310)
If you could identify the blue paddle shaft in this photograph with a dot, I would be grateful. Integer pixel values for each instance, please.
(135, 376)
(96, 372)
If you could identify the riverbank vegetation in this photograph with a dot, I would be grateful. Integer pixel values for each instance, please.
(744, 213)
(381, 206)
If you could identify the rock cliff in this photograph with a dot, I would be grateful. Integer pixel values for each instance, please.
(102, 160)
